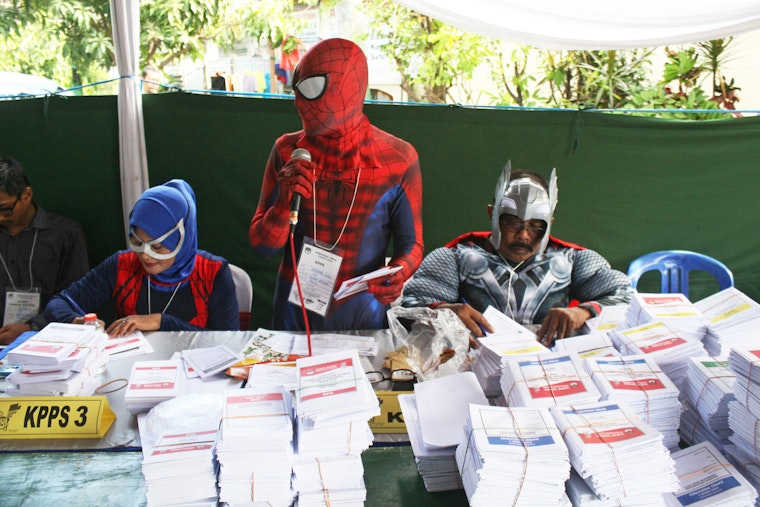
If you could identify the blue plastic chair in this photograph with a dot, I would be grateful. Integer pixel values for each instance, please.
(674, 267)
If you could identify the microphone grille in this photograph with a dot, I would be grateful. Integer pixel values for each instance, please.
(301, 153)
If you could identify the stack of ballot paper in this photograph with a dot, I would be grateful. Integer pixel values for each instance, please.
(744, 464)
(598, 344)
(437, 465)
(669, 347)
(638, 382)
(548, 380)
(178, 440)
(255, 447)
(329, 481)
(334, 388)
(151, 382)
(344, 437)
(273, 374)
(196, 370)
(746, 430)
(706, 391)
(612, 317)
(134, 344)
(732, 318)
(618, 455)
(745, 363)
(580, 494)
(334, 403)
(435, 417)
(693, 429)
(60, 360)
(512, 456)
(708, 479)
(744, 411)
(180, 469)
(673, 309)
(208, 361)
(508, 340)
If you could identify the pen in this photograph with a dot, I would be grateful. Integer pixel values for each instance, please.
(482, 329)
(74, 306)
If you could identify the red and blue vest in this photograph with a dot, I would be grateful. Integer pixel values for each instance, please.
(129, 280)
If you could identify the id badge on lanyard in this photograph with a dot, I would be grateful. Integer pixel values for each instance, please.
(21, 304)
(317, 271)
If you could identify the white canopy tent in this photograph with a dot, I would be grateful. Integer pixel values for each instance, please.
(548, 24)
(125, 20)
(595, 24)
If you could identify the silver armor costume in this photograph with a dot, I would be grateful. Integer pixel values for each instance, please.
(472, 270)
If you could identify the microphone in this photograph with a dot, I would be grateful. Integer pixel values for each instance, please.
(295, 202)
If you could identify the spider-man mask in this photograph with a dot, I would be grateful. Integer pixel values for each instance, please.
(330, 85)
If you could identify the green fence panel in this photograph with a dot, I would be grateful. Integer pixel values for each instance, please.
(627, 185)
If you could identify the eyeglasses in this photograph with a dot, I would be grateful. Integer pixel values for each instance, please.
(516, 226)
(405, 379)
(8, 210)
(153, 247)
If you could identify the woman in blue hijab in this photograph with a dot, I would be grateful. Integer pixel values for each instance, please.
(163, 282)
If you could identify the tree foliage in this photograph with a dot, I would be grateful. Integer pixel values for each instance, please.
(72, 41)
(71, 38)
(431, 56)
(272, 23)
(515, 84)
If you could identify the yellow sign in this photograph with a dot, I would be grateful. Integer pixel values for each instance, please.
(55, 417)
(390, 419)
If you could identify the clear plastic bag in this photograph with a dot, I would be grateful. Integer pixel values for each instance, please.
(437, 340)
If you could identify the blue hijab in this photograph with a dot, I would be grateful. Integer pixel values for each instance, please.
(158, 210)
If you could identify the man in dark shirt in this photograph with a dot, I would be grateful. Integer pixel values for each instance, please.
(41, 253)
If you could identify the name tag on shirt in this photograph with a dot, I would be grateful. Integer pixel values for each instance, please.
(21, 304)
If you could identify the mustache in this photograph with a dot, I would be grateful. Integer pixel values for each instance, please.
(519, 244)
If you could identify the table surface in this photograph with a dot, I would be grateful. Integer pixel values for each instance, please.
(114, 479)
(107, 471)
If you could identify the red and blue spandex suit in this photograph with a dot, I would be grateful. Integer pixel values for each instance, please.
(362, 191)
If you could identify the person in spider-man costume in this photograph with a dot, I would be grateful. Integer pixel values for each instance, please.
(365, 182)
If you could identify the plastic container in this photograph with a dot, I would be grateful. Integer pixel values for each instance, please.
(91, 319)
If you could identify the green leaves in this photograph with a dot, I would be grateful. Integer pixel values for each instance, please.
(431, 56)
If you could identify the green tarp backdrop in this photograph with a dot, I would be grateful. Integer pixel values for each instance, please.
(627, 185)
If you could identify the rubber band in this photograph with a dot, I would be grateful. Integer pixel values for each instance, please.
(466, 450)
(99, 390)
(350, 433)
(614, 456)
(518, 430)
(718, 466)
(633, 376)
(749, 383)
(701, 392)
(322, 480)
(548, 379)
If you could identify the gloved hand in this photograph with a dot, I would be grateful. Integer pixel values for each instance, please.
(297, 176)
(387, 289)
